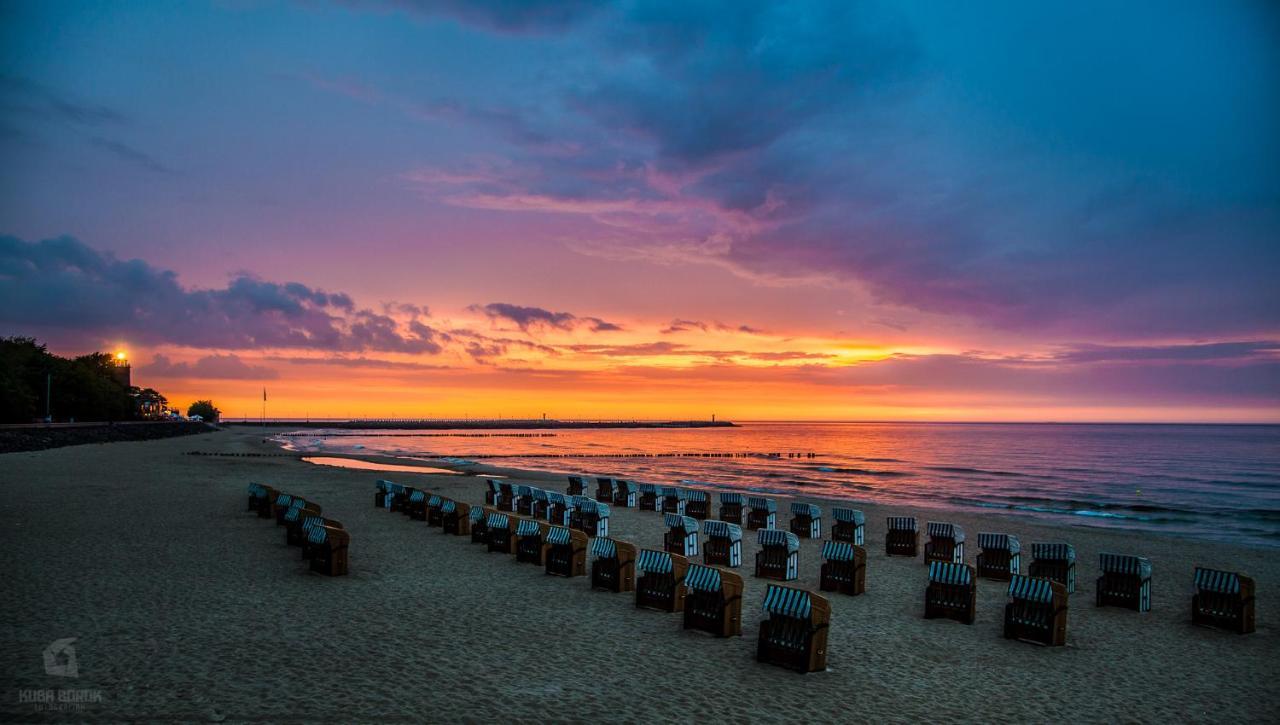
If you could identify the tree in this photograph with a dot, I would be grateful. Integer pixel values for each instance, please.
(204, 409)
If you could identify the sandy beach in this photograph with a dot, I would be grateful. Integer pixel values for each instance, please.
(185, 607)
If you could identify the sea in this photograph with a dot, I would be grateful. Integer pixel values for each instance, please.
(1219, 482)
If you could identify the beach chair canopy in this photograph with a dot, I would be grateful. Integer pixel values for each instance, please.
(655, 562)
(524, 490)
(805, 509)
(1124, 564)
(630, 486)
(558, 536)
(679, 493)
(557, 498)
(581, 501)
(1055, 551)
(434, 500)
(648, 488)
(477, 514)
(498, 521)
(847, 515)
(448, 506)
(941, 530)
(538, 494)
(382, 484)
(722, 530)
(1213, 580)
(702, 578)
(292, 514)
(837, 551)
(787, 602)
(602, 547)
(1032, 589)
(676, 521)
(284, 499)
(257, 490)
(694, 494)
(493, 485)
(999, 541)
(417, 496)
(731, 497)
(760, 502)
(945, 572)
(318, 535)
(526, 527)
(903, 523)
(778, 537)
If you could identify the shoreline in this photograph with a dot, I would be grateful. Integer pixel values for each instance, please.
(186, 607)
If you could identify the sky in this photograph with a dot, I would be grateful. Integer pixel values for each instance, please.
(1064, 211)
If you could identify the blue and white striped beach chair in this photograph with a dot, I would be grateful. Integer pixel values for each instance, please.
(434, 516)
(779, 555)
(697, 504)
(575, 516)
(327, 547)
(1056, 561)
(713, 601)
(946, 543)
(479, 519)
(951, 592)
(566, 552)
(673, 500)
(649, 497)
(844, 568)
(528, 540)
(1223, 599)
(1125, 582)
(795, 633)
(524, 499)
(806, 520)
(559, 508)
(682, 534)
(762, 513)
(903, 536)
(724, 543)
(605, 487)
(417, 508)
(1037, 611)
(260, 496)
(381, 490)
(1000, 556)
(848, 525)
(499, 532)
(731, 507)
(660, 580)
(577, 486)
(613, 565)
(625, 494)
(540, 504)
(492, 492)
(395, 494)
(593, 518)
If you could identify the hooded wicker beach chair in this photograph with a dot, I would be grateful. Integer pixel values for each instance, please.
(499, 532)
(625, 494)
(697, 504)
(731, 507)
(577, 486)
(506, 496)
(1223, 599)
(455, 517)
(1125, 582)
(762, 513)
(713, 601)
(540, 504)
(566, 551)
(946, 543)
(674, 500)
(329, 546)
(418, 506)
(999, 556)
(848, 525)
(305, 526)
(844, 569)
(284, 502)
(435, 517)
(260, 496)
(559, 508)
(806, 520)
(492, 493)
(660, 580)
(795, 634)
(605, 486)
(479, 518)
(529, 540)
(594, 520)
(903, 536)
(381, 490)
(723, 545)
(294, 520)
(648, 497)
(682, 534)
(524, 500)
(779, 555)
(951, 592)
(1056, 561)
(613, 565)
(1037, 611)
(392, 495)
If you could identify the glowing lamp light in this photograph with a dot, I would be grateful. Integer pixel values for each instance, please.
(120, 356)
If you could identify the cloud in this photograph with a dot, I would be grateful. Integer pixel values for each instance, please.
(22, 96)
(63, 284)
(220, 367)
(533, 318)
(1216, 351)
(130, 154)
(507, 16)
(683, 326)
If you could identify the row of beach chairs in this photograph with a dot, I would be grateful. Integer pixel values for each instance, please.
(324, 541)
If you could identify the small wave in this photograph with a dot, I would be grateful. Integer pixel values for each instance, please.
(864, 472)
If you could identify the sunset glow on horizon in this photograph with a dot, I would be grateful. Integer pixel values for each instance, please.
(772, 211)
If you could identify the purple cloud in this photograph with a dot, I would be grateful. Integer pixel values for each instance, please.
(221, 367)
(532, 318)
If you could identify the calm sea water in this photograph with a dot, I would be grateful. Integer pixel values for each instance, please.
(1216, 481)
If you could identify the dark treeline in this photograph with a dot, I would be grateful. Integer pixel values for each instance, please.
(85, 388)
